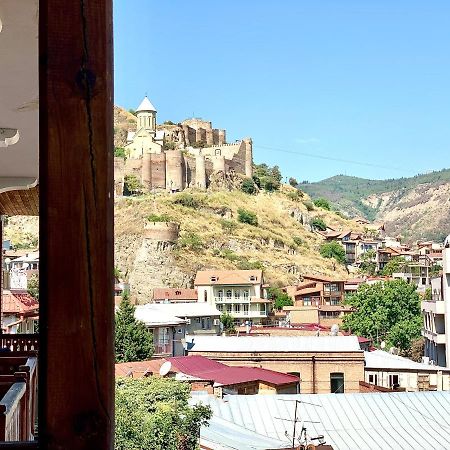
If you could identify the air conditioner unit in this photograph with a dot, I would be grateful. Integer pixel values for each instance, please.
(216, 321)
(188, 321)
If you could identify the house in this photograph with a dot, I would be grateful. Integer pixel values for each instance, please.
(20, 312)
(174, 295)
(323, 363)
(393, 371)
(168, 330)
(417, 271)
(436, 315)
(20, 269)
(240, 293)
(369, 421)
(200, 318)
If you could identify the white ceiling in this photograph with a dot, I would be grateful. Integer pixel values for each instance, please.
(19, 107)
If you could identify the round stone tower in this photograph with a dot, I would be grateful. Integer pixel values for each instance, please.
(200, 172)
(248, 157)
(146, 116)
(219, 164)
(222, 137)
(174, 170)
(161, 231)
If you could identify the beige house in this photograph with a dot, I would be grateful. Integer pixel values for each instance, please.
(324, 364)
(239, 293)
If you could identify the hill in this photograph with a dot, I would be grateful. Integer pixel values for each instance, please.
(211, 237)
(416, 208)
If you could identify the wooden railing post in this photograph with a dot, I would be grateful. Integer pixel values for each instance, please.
(76, 371)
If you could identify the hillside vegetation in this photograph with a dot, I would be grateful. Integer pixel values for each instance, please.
(416, 208)
(211, 236)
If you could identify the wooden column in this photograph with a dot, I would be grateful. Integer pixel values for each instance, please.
(1, 273)
(76, 392)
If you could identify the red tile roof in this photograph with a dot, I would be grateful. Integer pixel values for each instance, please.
(174, 294)
(228, 277)
(207, 369)
(140, 369)
(19, 302)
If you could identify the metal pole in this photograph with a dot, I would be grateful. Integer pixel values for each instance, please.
(295, 423)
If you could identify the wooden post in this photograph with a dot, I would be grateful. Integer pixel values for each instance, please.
(1, 274)
(76, 392)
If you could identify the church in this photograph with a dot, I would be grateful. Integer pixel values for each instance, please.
(190, 154)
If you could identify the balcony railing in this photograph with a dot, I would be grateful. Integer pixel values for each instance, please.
(19, 342)
(232, 299)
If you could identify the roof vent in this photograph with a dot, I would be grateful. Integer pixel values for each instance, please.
(214, 278)
(177, 292)
(252, 278)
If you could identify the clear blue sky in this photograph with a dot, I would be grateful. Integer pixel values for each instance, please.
(356, 80)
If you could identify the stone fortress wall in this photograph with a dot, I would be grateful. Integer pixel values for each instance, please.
(175, 157)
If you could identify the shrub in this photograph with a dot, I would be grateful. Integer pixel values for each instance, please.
(308, 205)
(157, 218)
(333, 250)
(244, 264)
(298, 240)
(293, 182)
(322, 203)
(191, 241)
(131, 185)
(168, 122)
(188, 200)
(227, 322)
(280, 298)
(318, 224)
(228, 226)
(119, 152)
(248, 217)
(267, 178)
(248, 186)
(294, 195)
(169, 145)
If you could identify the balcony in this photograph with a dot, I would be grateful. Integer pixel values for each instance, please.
(437, 338)
(436, 307)
(222, 300)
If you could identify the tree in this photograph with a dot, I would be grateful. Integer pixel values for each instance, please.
(248, 186)
(33, 286)
(267, 178)
(133, 342)
(293, 182)
(248, 217)
(396, 264)
(119, 152)
(368, 264)
(387, 311)
(131, 185)
(279, 297)
(322, 203)
(318, 224)
(227, 322)
(333, 250)
(153, 413)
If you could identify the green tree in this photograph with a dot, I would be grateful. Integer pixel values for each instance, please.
(33, 286)
(248, 186)
(368, 262)
(428, 294)
(119, 152)
(227, 322)
(333, 250)
(133, 342)
(322, 203)
(318, 224)
(387, 311)
(153, 413)
(248, 217)
(279, 297)
(131, 185)
(293, 182)
(267, 178)
(396, 264)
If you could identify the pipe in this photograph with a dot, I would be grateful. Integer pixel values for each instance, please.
(314, 375)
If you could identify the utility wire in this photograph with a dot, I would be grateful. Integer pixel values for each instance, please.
(329, 158)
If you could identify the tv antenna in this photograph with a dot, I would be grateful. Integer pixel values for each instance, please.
(296, 420)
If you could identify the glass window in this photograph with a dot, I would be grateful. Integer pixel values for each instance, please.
(245, 295)
(394, 381)
(337, 383)
(306, 301)
(229, 293)
(245, 309)
(229, 309)
(220, 293)
(220, 307)
(237, 308)
(373, 378)
(237, 294)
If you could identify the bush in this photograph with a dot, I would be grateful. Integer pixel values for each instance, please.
(191, 241)
(244, 264)
(227, 322)
(293, 182)
(188, 200)
(308, 205)
(322, 203)
(280, 298)
(298, 240)
(318, 224)
(295, 196)
(228, 226)
(333, 250)
(267, 178)
(248, 217)
(157, 218)
(168, 122)
(248, 186)
(119, 152)
(131, 185)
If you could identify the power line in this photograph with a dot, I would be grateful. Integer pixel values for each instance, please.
(329, 158)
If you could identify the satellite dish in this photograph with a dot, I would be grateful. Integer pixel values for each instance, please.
(383, 345)
(334, 329)
(165, 368)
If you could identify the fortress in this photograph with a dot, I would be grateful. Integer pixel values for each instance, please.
(177, 156)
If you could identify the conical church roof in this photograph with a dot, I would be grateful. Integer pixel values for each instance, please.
(146, 105)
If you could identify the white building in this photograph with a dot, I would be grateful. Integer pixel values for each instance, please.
(240, 293)
(436, 315)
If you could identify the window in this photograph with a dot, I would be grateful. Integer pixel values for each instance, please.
(306, 301)
(229, 309)
(220, 294)
(205, 295)
(208, 323)
(337, 383)
(335, 301)
(237, 294)
(394, 381)
(245, 309)
(296, 374)
(262, 308)
(203, 323)
(217, 152)
(237, 308)
(245, 294)
(373, 378)
(220, 307)
(229, 293)
(424, 281)
(197, 320)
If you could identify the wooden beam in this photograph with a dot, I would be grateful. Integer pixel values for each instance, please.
(76, 390)
(1, 273)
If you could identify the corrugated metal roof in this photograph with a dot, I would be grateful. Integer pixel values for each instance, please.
(380, 359)
(407, 420)
(153, 317)
(273, 344)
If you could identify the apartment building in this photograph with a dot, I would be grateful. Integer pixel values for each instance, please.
(240, 293)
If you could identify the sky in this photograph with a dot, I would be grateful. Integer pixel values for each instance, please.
(323, 87)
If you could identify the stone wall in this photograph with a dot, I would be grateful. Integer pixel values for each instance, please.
(162, 231)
